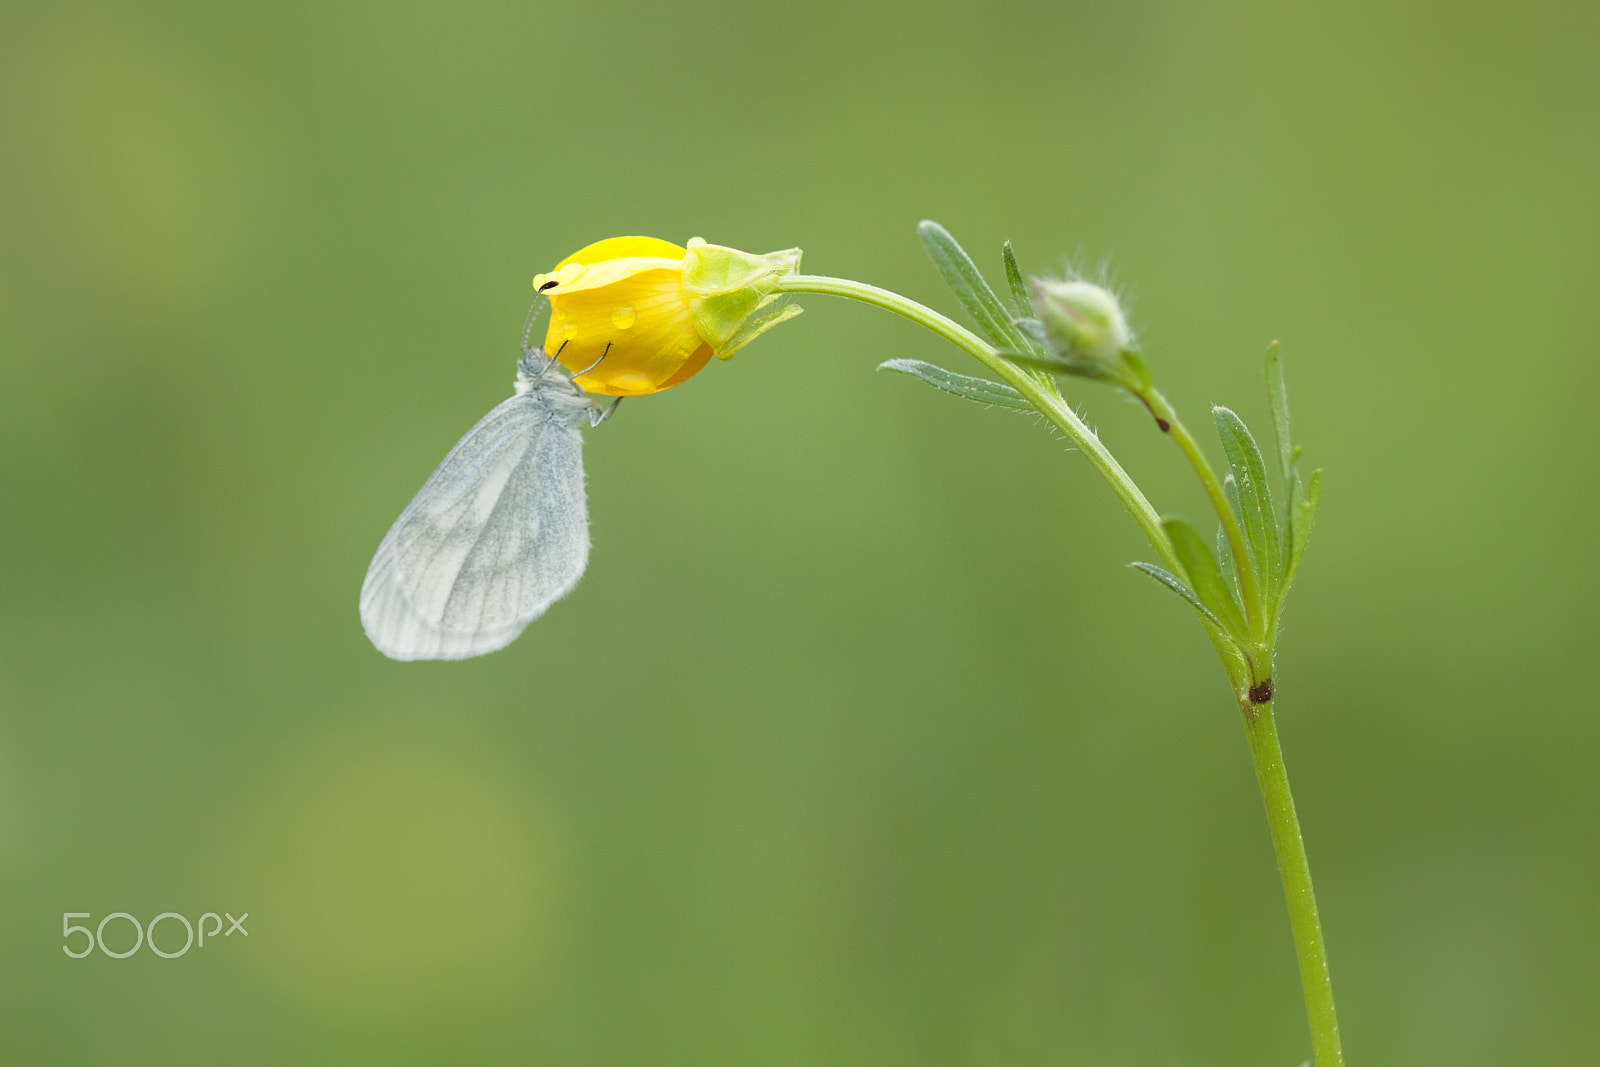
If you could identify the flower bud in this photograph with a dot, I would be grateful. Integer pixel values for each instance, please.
(1083, 325)
(635, 315)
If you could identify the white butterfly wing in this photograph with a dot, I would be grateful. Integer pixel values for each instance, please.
(498, 534)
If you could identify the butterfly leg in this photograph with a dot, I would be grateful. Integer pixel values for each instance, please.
(548, 360)
(593, 365)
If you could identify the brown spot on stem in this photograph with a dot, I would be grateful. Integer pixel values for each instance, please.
(1161, 424)
(1261, 692)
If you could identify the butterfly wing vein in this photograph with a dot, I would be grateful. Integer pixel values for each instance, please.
(495, 536)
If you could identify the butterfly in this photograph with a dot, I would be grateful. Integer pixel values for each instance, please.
(497, 534)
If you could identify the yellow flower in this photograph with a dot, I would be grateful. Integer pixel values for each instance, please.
(636, 315)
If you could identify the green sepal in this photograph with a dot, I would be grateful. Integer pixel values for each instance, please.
(1255, 498)
(1135, 375)
(1019, 288)
(769, 313)
(1033, 330)
(982, 390)
(1046, 360)
(963, 278)
(1129, 371)
(731, 294)
(1204, 577)
(1278, 401)
(1175, 584)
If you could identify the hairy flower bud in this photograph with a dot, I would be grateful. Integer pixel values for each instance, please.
(1083, 325)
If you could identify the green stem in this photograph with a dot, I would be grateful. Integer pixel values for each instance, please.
(1036, 387)
(1273, 778)
(1167, 419)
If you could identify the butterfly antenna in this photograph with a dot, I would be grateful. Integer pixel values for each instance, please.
(537, 306)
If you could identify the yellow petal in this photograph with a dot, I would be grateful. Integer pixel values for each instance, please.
(624, 248)
(630, 337)
(619, 319)
(575, 277)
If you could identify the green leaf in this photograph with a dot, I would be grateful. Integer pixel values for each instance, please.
(1204, 577)
(1304, 516)
(1225, 561)
(962, 276)
(1278, 400)
(1225, 564)
(1295, 491)
(1019, 288)
(1255, 498)
(1230, 489)
(982, 390)
(1174, 583)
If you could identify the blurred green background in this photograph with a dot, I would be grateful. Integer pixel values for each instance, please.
(857, 744)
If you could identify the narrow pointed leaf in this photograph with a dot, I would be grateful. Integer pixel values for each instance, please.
(1174, 583)
(1225, 564)
(1255, 497)
(1230, 489)
(1305, 515)
(1225, 561)
(963, 278)
(1295, 491)
(1278, 400)
(982, 390)
(1019, 288)
(1204, 577)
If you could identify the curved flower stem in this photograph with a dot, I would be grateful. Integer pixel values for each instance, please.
(1167, 419)
(1293, 867)
(1036, 387)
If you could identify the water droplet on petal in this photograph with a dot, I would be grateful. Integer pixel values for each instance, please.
(623, 317)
